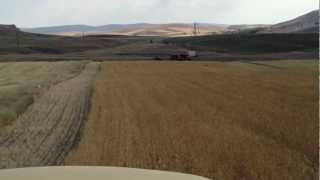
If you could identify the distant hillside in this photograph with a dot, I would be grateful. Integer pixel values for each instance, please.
(141, 29)
(14, 41)
(178, 29)
(308, 23)
(244, 27)
(4, 29)
(59, 29)
(74, 30)
(249, 43)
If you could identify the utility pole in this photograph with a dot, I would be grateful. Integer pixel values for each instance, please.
(196, 29)
(82, 35)
(18, 38)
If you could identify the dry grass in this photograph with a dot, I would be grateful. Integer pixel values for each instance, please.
(21, 82)
(219, 120)
(46, 131)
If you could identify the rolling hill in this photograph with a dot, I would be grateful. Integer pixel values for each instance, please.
(245, 27)
(141, 29)
(74, 30)
(308, 23)
(13, 40)
(7, 28)
(178, 29)
(139, 41)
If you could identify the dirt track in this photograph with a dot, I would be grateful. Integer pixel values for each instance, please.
(47, 130)
(218, 120)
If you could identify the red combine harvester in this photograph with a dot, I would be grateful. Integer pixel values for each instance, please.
(185, 56)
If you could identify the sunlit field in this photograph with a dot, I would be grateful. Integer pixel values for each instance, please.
(237, 120)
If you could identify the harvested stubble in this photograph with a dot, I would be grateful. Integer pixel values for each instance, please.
(224, 121)
(21, 83)
(46, 131)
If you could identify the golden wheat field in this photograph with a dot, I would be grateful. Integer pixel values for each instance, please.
(236, 120)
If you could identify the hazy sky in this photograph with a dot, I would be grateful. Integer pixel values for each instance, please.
(31, 13)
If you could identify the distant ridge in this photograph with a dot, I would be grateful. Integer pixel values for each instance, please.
(308, 23)
(242, 27)
(4, 27)
(79, 29)
(140, 29)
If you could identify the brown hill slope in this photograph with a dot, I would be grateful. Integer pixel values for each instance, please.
(141, 29)
(171, 30)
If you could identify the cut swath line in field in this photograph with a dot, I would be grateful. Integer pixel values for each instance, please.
(46, 131)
